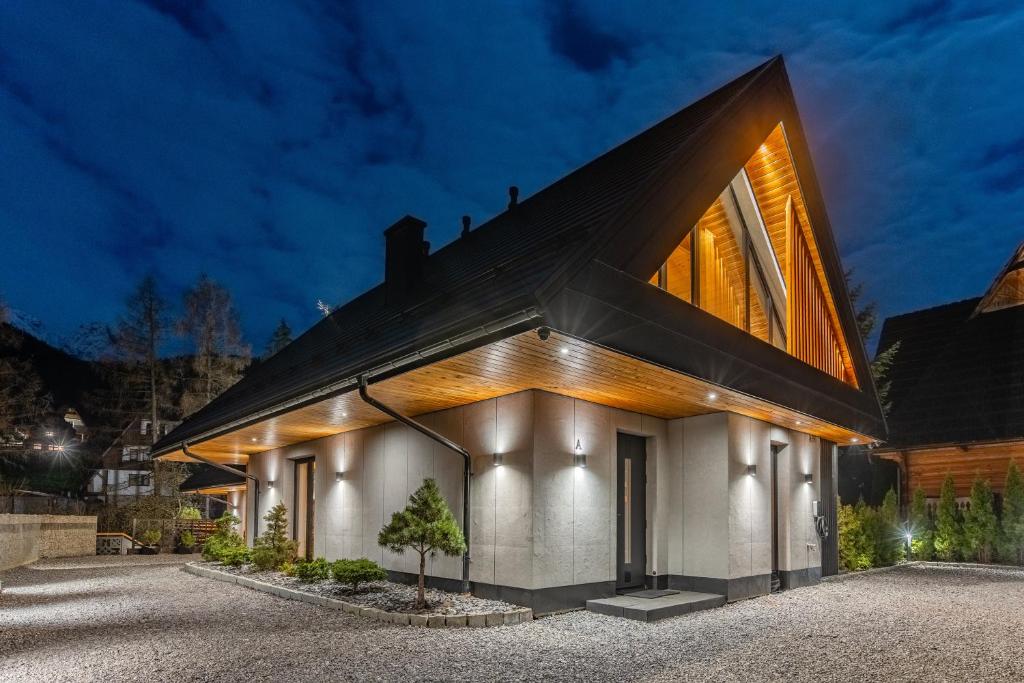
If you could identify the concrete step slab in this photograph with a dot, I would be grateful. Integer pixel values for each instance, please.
(653, 609)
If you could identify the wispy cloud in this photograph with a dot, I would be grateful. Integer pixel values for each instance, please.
(270, 144)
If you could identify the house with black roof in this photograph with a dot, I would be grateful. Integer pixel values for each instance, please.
(957, 388)
(637, 376)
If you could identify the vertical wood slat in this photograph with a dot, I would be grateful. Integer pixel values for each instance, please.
(812, 335)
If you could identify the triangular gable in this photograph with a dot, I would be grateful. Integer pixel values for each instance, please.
(759, 117)
(1007, 290)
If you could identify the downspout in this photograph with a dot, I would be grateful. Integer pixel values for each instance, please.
(444, 441)
(232, 470)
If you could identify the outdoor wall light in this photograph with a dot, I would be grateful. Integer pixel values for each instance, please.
(339, 475)
(808, 478)
(752, 470)
(270, 483)
(498, 459)
(579, 457)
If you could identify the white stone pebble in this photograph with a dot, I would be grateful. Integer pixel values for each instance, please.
(143, 618)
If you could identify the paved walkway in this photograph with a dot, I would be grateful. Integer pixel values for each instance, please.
(143, 618)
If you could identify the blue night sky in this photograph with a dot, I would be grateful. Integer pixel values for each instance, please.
(269, 144)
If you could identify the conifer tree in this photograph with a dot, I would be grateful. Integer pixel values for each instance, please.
(426, 525)
(922, 534)
(854, 548)
(281, 338)
(273, 548)
(1013, 515)
(870, 542)
(980, 523)
(947, 522)
(891, 547)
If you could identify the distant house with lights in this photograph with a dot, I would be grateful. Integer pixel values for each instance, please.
(636, 376)
(957, 388)
(126, 472)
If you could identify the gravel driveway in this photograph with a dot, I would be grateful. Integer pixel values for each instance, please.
(111, 619)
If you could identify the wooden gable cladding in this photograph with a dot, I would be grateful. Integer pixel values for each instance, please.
(1007, 290)
(561, 365)
(928, 467)
(815, 332)
(813, 336)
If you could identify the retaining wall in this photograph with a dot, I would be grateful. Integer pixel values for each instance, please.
(27, 538)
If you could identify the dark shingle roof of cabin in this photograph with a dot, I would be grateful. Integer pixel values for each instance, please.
(492, 273)
(206, 477)
(956, 378)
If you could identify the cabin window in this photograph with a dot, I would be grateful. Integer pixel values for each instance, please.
(726, 265)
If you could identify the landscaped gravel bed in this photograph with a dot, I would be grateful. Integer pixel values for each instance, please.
(115, 619)
(385, 595)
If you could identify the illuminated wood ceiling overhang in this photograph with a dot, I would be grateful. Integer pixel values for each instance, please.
(561, 364)
(216, 490)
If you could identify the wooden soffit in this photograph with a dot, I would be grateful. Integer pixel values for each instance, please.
(561, 364)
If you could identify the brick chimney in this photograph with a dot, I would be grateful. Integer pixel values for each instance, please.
(404, 254)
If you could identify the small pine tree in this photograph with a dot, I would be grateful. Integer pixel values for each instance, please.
(273, 548)
(1013, 515)
(426, 525)
(922, 546)
(947, 522)
(890, 547)
(873, 527)
(851, 540)
(980, 523)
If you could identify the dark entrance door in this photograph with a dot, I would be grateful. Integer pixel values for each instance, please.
(775, 517)
(305, 506)
(631, 509)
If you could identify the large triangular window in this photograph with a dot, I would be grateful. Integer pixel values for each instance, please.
(751, 260)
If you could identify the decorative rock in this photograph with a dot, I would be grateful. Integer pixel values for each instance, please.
(311, 596)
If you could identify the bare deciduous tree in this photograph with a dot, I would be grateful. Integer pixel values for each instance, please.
(139, 337)
(220, 356)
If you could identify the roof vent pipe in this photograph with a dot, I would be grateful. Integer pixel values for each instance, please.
(513, 196)
(465, 226)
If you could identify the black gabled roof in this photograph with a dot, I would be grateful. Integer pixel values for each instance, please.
(207, 477)
(957, 377)
(494, 272)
